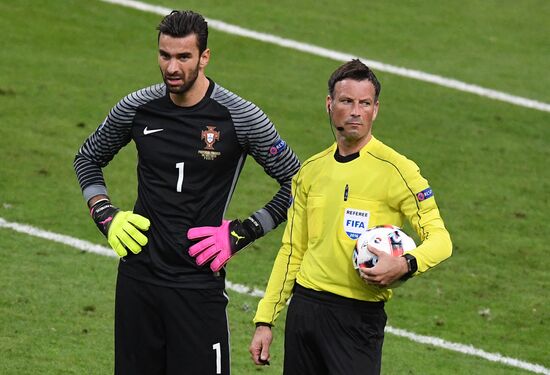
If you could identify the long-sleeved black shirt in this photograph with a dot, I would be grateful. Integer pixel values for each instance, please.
(189, 161)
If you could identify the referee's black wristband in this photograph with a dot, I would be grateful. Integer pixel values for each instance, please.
(263, 324)
(412, 266)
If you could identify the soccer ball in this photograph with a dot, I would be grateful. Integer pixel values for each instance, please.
(387, 238)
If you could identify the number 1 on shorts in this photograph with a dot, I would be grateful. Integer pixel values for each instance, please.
(218, 349)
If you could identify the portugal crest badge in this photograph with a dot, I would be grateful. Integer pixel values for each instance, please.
(209, 136)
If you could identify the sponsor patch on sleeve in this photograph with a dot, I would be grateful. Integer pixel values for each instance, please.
(425, 194)
(277, 147)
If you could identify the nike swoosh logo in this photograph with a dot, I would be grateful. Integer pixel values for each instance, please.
(147, 131)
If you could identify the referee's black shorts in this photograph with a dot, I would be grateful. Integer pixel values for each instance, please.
(329, 334)
(169, 331)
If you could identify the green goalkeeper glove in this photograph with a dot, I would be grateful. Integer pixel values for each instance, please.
(122, 228)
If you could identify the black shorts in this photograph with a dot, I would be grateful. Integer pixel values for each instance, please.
(330, 334)
(165, 331)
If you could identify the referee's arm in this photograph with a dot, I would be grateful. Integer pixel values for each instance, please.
(424, 216)
(288, 260)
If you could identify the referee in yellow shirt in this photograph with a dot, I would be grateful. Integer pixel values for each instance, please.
(336, 318)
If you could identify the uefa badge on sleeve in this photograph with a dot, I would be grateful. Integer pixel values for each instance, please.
(425, 194)
(277, 147)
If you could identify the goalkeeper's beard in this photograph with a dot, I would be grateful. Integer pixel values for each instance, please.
(188, 81)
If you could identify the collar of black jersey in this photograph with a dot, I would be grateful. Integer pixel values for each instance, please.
(200, 103)
(345, 159)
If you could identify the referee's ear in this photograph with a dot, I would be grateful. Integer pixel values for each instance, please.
(329, 104)
(376, 107)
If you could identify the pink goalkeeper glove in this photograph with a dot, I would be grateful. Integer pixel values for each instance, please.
(219, 244)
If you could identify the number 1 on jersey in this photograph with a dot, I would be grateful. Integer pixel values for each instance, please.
(180, 167)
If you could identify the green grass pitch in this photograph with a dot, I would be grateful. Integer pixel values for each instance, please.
(64, 63)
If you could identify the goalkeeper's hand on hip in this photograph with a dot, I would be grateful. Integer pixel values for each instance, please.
(219, 244)
(123, 229)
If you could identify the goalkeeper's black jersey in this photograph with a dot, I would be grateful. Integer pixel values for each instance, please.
(189, 160)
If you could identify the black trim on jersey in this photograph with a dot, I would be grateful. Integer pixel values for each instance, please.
(408, 187)
(345, 159)
(291, 221)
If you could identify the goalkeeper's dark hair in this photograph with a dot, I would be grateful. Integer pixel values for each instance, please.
(181, 23)
(357, 71)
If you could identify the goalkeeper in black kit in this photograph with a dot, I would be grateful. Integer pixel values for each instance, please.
(192, 137)
(336, 318)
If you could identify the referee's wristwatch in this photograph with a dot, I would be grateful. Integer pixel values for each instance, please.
(412, 266)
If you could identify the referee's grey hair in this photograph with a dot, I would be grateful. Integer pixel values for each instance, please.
(182, 23)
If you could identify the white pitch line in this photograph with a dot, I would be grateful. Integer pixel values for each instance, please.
(254, 292)
(342, 56)
(469, 350)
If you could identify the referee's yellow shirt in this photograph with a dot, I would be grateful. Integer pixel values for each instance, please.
(333, 202)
